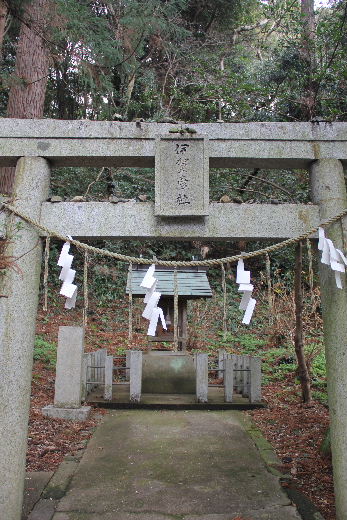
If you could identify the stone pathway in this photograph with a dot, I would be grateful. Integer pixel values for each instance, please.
(173, 465)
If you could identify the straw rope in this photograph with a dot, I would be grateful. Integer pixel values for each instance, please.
(173, 263)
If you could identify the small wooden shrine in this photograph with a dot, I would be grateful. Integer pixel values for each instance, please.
(192, 283)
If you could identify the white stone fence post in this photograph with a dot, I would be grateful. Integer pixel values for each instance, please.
(201, 364)
(135, 375)
(240, 373)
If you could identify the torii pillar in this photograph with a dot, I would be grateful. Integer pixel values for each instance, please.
(329, 192)
(18, 307)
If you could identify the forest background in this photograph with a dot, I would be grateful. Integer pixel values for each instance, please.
(192, 61)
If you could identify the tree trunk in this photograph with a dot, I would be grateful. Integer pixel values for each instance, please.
(3, 22)
(308, 57)
(299, 336)
(29, 80)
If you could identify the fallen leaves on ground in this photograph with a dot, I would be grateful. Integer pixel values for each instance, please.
(296, 432)
(49, 440)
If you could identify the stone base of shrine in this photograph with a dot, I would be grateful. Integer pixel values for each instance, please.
(70, 414)
(121, 400)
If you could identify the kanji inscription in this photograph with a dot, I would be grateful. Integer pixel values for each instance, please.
(181, 176)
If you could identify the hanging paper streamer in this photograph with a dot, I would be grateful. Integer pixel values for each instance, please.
(152, 312)
(67, 276)
(332, 256)
(247, 303)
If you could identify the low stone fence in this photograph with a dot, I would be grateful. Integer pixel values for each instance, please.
(98, 369)
(79, 373)
(241, 374)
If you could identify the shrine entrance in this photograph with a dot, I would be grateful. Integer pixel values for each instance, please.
(182, 156)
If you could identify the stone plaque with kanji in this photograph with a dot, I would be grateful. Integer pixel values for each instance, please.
(181, 176)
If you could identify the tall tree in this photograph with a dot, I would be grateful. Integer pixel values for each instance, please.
(29, 79)
(3, 23)
(308, 57)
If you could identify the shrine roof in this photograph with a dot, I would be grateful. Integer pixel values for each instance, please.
(192, 282)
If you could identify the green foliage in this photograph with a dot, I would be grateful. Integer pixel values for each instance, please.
(45, 352)
(278, 362)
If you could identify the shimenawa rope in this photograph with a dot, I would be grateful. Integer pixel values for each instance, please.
(173, 263)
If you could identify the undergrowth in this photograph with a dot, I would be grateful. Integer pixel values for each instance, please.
(45, 352)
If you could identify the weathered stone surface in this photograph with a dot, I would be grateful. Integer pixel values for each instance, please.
(228, 379)
(168, 373)
(275, 131)
(108, 378)
(60, 481)
(255, 380)
(201, 363)
(43, 510)
(329, 191)
(34, 484)
(70, 414)
(137, 220)
(84, 386)
(17, 332)
(181, 176)
(161, 466)
(69, 367)
(105, 143)
(135, 376)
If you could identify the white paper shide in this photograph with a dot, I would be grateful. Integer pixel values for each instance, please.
(152, 312)
(67, 276)
(332, 256)
(247, 304)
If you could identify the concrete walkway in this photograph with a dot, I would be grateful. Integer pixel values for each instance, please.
(173, 465)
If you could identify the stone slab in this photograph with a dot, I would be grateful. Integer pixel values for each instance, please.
(80, 143)
(181, 176)
(168, 373)
(69, 414)
(77, 129)
(137, 220)
(68, 377)
(43, 510)
(99, 130)
(193, 465)
(216, 401)
(264, 514)
(34, 484)
(60, 481)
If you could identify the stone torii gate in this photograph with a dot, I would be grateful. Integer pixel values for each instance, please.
(34, 146)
